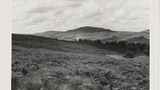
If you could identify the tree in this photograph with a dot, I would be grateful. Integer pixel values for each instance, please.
(98, 41)
(114, 43)
(80, 40)
(132, 47)
(122, 43)
(143, 47)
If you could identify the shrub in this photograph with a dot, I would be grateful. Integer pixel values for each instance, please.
(33, 86)
(24, 71)
(15, 84)
(129, 55)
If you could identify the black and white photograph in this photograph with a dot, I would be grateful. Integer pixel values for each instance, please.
(80, 45)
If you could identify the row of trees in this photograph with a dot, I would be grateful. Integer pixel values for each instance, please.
(131, 46)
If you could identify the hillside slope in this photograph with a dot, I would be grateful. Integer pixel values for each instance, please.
(36, 42)
(40, 63)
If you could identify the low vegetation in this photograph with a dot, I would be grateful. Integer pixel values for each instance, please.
(40, 63)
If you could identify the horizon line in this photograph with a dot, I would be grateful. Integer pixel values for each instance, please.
(77, 28)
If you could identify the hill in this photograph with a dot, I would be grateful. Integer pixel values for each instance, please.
(94, 33)
(37, 42)
(40, 63)
(89, 29)
(48, 33)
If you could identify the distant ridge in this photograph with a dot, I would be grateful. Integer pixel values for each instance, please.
(48, 33)
(90, 29)
(94, 33)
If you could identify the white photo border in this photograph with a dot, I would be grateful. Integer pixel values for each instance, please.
(154, 46)
(5, 45)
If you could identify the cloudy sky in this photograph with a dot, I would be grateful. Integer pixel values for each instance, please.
(32, 16)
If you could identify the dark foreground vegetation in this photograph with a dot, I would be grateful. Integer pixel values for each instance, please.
(40, 63)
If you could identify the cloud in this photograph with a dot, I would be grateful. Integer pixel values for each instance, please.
(31, 16)
(41, 10)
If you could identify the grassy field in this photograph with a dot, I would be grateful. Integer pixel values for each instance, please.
(40, 63)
